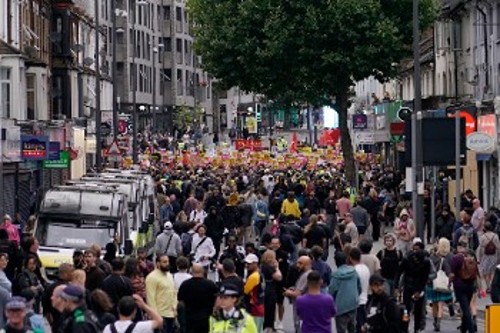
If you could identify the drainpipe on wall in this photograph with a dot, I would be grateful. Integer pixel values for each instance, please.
(486, 55)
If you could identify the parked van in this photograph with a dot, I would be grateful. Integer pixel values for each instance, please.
(76, 216)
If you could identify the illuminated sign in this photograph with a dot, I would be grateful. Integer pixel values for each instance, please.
(34, 147)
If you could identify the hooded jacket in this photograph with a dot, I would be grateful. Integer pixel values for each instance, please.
(168, 243)
(345, 289)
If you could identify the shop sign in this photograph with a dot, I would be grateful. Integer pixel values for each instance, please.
(11, 147)
(480, 142)
(54, 150)
(61, 163)
(34, 147)
(359, 121)
(487, 124)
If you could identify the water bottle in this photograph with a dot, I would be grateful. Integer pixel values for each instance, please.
(406, 316)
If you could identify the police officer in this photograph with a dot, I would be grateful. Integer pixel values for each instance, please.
(383, 313)
(228, 318)
(77, 318)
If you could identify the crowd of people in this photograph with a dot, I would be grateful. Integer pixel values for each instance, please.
(235, 245)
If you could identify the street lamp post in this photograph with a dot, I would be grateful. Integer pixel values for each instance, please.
(114, 69)
(155, 51)
(416, 130)
(98, 90)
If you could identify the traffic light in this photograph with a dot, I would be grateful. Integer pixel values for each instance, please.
(258, 113)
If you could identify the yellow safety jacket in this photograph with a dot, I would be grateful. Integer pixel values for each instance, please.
(243, 323)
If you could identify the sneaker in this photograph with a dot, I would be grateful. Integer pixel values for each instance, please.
(278, 326)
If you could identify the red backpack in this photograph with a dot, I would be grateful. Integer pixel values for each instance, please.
(469, 270)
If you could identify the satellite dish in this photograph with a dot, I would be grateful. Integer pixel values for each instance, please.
(88, 61)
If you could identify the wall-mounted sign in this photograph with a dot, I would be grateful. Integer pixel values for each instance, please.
(487, 124)
(54, 149)
(480, 142)
(359, 121)
(470, 121)
(61, 163)
(34, 147)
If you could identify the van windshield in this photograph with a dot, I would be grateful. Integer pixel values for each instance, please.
(79, 234)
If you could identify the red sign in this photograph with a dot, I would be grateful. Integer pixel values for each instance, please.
(397, 128)
(329, 137)
(242, 144)
(487, 124)
(470, 121)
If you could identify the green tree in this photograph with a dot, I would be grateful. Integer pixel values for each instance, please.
(185, 116)
(306, 51)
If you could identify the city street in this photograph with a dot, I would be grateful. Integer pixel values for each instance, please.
(448, 324)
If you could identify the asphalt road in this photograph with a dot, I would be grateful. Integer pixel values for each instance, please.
(448, 324)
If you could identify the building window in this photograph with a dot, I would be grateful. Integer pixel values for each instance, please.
(166, 13)
(167, 43)
(30, 96)
(5, 91)
(178, 14)
(180, 85)
(498, 22)
(179, 45)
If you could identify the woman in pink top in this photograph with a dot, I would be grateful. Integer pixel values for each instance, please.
(11, 229)
(344, 205)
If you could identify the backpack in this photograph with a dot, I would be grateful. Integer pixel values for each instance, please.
(129, 329)
(490, 248)
(469, 270)
(255, 300)
(186, 241)
(467, 237)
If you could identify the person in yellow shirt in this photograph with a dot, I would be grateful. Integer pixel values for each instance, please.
(254, 291)
(290, 206)
(228, 318)
(161, 294)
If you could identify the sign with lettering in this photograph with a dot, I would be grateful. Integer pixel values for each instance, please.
(61, 163)
(480, 142)
(34, 147)
(54, 148)
(359, 121)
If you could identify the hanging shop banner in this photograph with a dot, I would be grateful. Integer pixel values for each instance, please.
(34, 147)
(54, 149)
(61, 163)
(359, 121)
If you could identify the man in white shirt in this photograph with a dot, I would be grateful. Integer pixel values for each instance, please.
(477, 218)
(198, 215)
(127, 308)
(182, 275)
(364, 278)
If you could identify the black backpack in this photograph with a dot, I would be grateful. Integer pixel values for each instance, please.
(129, 329)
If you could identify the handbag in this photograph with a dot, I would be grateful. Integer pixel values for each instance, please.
(441, 283)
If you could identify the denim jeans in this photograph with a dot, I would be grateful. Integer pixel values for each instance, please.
(346, 322)
(463, 295)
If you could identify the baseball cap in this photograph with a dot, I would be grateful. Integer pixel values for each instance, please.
(251, 258)
(376, 278)
(16, 303)
(417, 240)
(228, 289)
(168, 225)
(72, 293)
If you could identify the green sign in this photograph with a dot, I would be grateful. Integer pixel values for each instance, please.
(61, 163)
